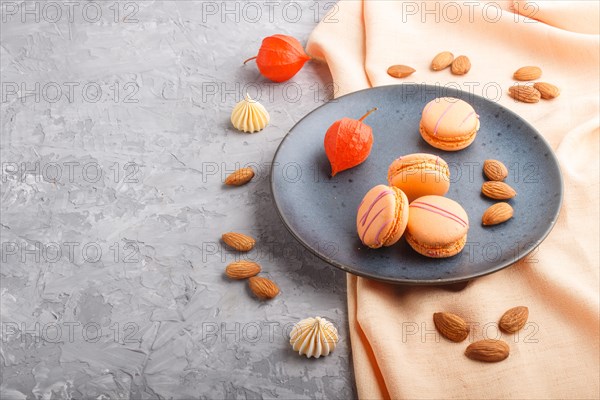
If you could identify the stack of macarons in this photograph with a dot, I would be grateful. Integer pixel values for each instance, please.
(413, 204)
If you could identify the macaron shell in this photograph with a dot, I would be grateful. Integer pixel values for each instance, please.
(448, 118)
(449, 250)
(436, 222)
(377, 217)
(420, 174)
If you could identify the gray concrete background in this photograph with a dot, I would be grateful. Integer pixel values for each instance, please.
(115, 142)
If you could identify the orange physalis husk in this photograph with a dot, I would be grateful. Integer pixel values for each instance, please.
(280, 57)
(348, 143)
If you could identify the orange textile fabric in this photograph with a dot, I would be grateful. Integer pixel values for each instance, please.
(396, 352)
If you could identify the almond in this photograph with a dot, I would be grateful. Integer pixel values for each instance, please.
(451, 326)
(494, 170)
(442, 60)
(461, 65)
(263, 288)
(514, 319)
(497, 214)
(528, 73)
(547, 90)
(238, 241)
(240, 177)
(524, 93)
(497, 190)
(400, 71)
(242, 269)
(488, 350)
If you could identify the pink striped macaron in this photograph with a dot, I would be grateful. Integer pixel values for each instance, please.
(437, 226)
(382, 216)
(449, 124)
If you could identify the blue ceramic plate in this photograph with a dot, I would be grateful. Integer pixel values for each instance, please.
(320, 211)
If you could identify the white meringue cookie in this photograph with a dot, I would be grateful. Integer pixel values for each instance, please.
(314, 337)
(249, 115)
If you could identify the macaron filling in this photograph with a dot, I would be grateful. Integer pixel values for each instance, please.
(454, 140)
(419, 174)
(428, 165)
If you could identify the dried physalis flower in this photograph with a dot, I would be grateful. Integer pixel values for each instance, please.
(348, 143)
(280, 57)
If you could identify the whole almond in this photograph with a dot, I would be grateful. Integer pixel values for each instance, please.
(240, 177)
(497, 190)
(451, 326)
(514, 319)
(497, 214)
(528, 73)
(461, 65)
(442, 60)
(525, 93)
(263, 288)
(547, 90)
(242, 269)
(488, 350)
(238, 241)
(400, 71)
(494, 170)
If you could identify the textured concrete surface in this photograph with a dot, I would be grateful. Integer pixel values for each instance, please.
(115, 142)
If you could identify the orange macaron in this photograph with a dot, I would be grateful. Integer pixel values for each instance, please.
(437, 226)
(449, 124)
(382, 216)
(419, 174)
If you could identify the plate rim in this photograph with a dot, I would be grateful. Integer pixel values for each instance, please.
(419, 282)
